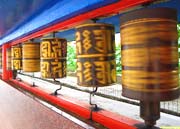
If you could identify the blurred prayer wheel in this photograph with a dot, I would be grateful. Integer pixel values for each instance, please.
(0, 58)
(53, 57)
(150, 54)
(8, 59)
(150, 59)
(95, 49)
(16, 57)
(31, 57)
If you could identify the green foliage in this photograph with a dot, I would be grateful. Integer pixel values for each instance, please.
(71, 57)
(118, 59)
(178, 28)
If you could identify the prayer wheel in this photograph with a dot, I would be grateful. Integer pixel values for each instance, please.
(0, 58)
(8, 59)
(150, 58)
(31, 57)
(53, 57)
(95, 49)
(16, 57)
(150, 54)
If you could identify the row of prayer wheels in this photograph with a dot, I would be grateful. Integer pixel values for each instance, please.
(49, 57)
(149, 57)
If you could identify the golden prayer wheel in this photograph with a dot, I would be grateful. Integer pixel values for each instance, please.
(8, 59)
(16, 57)
(0, 58)
(95, 49)
(150, 59)
(31, 57)
(150, 54)
(53, 57)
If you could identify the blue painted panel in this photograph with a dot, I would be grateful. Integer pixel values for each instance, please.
(115, 20)
(13, 12)
(61, 10)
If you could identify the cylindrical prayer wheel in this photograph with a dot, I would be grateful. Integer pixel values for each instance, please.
(16, 57)
(95, 49)
(150, 54)
(53, 57)
(0, 58)
(31, 57)
(8, 59)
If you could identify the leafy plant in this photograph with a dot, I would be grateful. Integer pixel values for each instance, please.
(118, 59)
(178, 28)
(71, 57)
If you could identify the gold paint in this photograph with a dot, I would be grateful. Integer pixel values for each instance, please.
(16, 64)
(87, 71)
(136, 33)
(45, 69)
(146, 20)
(45, 49)
(140, 56)
(31, 57)
(94, 24)
(79, 72)
(78, 43)
(86, 42)
(8, 59)
(101, 72)
(100, 45)
(53, 60)
(95, 53)
(16, 54)
(147, 45)
(57, 68)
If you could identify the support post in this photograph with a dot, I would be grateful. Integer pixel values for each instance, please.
(6, 74)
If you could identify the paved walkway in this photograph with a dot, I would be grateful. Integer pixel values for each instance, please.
(19, 111)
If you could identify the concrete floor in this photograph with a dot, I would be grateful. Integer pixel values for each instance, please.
(19, 111)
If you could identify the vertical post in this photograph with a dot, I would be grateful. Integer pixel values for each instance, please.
(6, 74)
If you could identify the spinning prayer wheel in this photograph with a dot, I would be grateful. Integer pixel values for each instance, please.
(150, 58)
(0, 58)
(95, 49)
(31, 57)
(16, 57)
(53, 57)
(8, 59)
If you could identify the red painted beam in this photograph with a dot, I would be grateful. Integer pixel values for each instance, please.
(105, 118)
(103, 11)
(110, 120)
